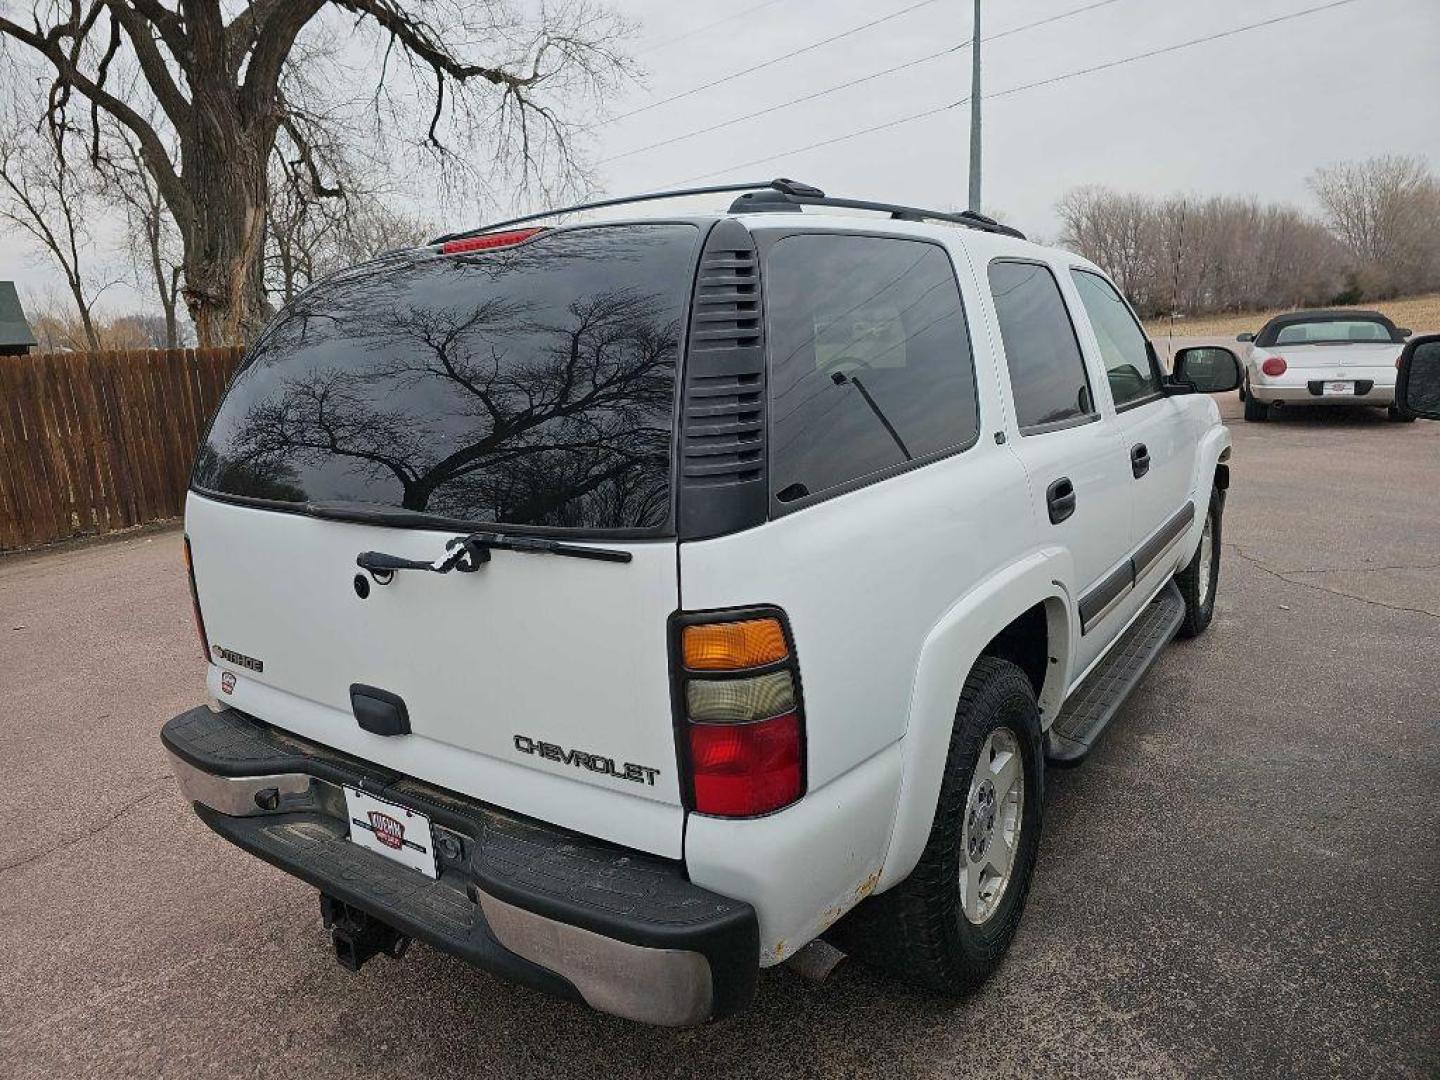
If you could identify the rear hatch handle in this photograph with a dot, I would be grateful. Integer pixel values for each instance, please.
(468, 553)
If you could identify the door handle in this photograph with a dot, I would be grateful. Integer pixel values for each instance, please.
(1139, 460)
(1060, 500)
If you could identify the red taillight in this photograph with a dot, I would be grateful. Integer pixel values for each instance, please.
(1274, 365)
(195, 603)
(488, 241)
(742, 727)
(740, 770)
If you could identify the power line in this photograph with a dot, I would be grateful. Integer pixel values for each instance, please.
(830, 142)
(1172, 48)
(769, 63)
(785, 104)
(708, 26)
(854, 82)
(1029, 86)
(1046, 21)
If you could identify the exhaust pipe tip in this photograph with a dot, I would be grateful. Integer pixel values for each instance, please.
(816, 962)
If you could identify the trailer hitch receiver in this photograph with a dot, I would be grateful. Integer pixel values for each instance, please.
(357, 935)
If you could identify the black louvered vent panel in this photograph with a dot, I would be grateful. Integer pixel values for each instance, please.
(722, 452)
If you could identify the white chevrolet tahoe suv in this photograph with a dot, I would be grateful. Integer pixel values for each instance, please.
(620, 606)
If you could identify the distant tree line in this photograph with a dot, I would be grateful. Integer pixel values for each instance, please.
(1378, 237)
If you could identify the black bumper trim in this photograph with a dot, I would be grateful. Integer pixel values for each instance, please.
(567, 877)
(437, 913)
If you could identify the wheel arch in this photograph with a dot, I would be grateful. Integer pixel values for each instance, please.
(1212, 470)
(1029, 591)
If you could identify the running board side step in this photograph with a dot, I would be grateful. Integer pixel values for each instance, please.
(1095, 702)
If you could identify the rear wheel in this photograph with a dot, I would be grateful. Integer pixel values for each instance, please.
(1254, 410)
(1198, 579)
(1396, 415)
(947, 926)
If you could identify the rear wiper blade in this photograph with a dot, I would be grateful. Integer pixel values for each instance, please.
(540, 545)
(467, 554)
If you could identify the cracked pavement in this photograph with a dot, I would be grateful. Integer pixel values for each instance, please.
(1243, 879)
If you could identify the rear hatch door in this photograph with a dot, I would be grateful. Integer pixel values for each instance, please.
(528, 391)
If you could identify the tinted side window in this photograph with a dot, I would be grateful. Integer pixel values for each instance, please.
(1047, 372)
(870, 362)
(1122, 342)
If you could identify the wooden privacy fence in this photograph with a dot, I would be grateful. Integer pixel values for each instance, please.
(93, 442)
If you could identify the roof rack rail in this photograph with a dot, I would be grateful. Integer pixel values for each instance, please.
(763, 200)
(761, 196)
(780, 184)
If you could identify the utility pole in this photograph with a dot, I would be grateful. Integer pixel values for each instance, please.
(975, 114)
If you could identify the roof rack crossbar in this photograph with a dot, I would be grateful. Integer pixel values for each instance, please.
(779, 184)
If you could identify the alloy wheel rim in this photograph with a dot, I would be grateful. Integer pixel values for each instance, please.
(990, 831)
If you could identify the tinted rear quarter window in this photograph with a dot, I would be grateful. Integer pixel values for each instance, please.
(869, 360)
(1047, 371)
(530, 386)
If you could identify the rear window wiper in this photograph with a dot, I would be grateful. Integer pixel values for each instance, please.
(468, 553)
(464, 553)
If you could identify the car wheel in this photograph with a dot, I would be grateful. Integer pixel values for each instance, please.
(947, 926)
(1394, 413)
(1201, 575)
(1255, 410)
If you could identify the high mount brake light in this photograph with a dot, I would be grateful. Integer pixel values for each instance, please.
(195, 603)
(1274, 365)
(488, 241)
(740, 712)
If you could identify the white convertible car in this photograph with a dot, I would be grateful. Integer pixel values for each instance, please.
(1322, 357)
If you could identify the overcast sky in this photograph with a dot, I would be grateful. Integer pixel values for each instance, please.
(1252, 113)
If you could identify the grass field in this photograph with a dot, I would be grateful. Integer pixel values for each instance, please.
(1418, 313)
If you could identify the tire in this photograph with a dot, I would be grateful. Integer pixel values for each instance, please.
(919, 930)
(1255, 410)
(1201, 575)
(1393, 412)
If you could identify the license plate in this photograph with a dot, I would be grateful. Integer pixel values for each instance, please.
(1338, 389)
(396, 832)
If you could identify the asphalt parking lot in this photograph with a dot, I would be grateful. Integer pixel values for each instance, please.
(1243, 879)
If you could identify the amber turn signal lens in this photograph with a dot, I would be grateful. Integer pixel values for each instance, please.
(729, 646)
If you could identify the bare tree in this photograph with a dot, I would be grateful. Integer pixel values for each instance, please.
(43, 197)
(1386, 211)
(309, 235)
(154, 241)
(227, 88)
(1109, 228)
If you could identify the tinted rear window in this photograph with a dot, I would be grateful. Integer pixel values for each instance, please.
(529, 386)
(1331, 331)
(870, 364)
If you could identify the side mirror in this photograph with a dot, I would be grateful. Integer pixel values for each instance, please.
(1417, 386)
(1404, 331)
(1244, 337)
(1207, 369)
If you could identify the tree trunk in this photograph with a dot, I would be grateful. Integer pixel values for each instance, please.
(224, 170)
(92, 337)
